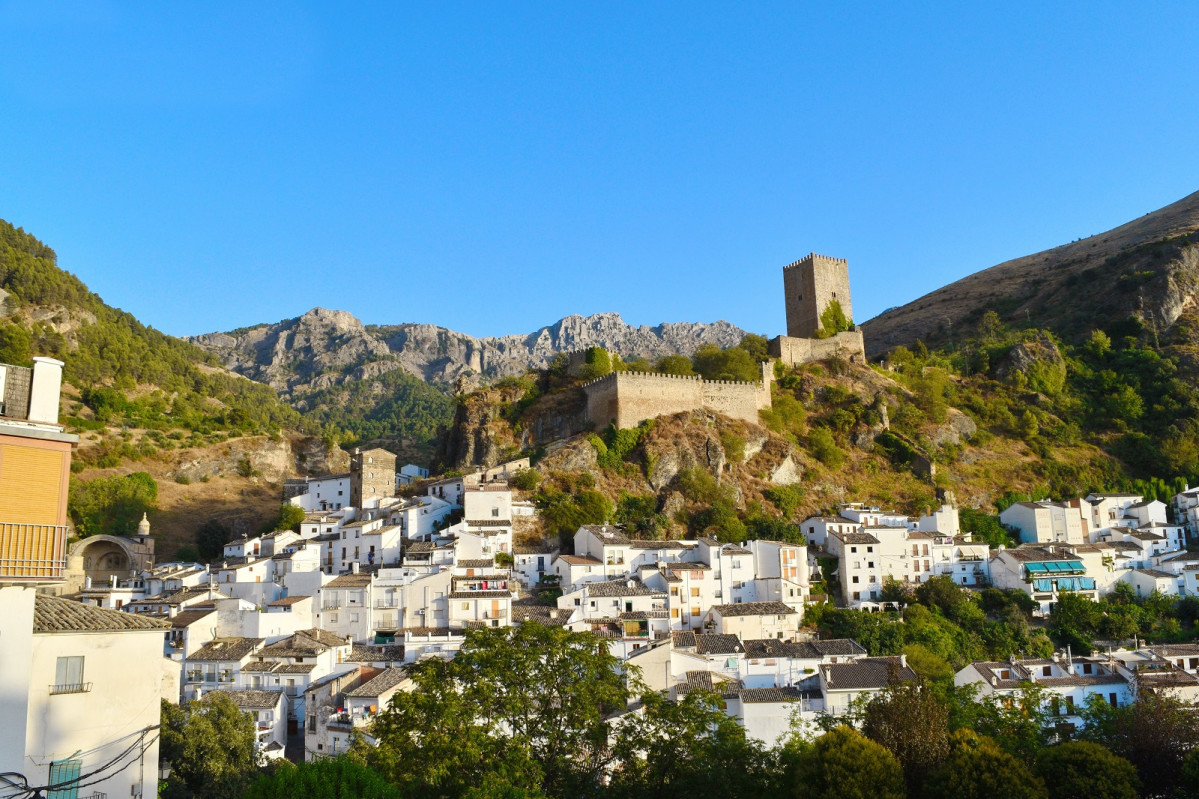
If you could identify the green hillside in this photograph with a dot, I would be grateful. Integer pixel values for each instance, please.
(123, 373)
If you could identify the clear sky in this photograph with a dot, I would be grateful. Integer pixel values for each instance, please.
(492, 167)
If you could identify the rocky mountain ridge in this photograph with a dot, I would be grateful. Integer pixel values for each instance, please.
(323, 348)
(1147, 269)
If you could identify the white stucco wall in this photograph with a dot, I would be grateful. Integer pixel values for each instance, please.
(125, 671)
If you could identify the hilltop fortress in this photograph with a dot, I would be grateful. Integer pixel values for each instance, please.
(810, 286)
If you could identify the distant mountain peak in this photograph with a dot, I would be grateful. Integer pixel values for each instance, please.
(325, 347)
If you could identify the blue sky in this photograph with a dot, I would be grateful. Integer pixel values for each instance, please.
(492, 167)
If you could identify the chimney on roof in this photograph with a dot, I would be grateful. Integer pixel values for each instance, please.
(354, 567)
(994, 680)
(903, 661)
(45, 390)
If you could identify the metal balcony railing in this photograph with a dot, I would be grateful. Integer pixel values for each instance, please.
(32, 551)
(71, 688)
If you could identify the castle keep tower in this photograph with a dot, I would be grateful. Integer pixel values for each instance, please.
(810, 284)
(372, 477)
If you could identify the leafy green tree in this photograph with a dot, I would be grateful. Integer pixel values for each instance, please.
(288, 517)
(1029, 427)
(786, 498)
(913, 725)
(833, 320)
(1155, 733)
(1021, 724)
(210, 746)
(757, 346)
(824, 448)
(1100, 344)
(529, 704)
(731, 364)
(565, 513)
(525, 479)
(675, 365)
(1073, 622)
(331, 778)
(596, 363)
(1084, 770)
(842, 764)
(16, 345)
(690, 749)
(991, 327)
(639, 513)
(977, 768)
(986, 527)
(877, 632)
(111, 505)
(211, 539)
(721, 522)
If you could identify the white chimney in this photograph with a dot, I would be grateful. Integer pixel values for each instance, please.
(354, 567)
(43, 396)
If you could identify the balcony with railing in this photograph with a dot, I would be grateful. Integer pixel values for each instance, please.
(71, 688)
(32, 552)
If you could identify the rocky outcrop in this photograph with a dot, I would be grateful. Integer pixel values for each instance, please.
(324, 348)
(272, 460)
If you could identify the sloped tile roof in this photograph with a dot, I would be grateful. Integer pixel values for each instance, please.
(763, 695)
(618, 588)
(385, 680)
(186, 618)
(755, 609)
(54, 615)
(226, 649)
(351, 580)
(684, 640)
(249, 698)
(718, 644)
(865, 673)
(363, 653)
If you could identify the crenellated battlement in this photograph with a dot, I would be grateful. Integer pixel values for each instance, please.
(650, 376)
(628, 398)
(810, 286)
(814, 257)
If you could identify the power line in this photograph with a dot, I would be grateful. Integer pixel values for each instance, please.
(36, 792)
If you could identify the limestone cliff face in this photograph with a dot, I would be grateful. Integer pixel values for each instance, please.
(483, 434)
(324, 348)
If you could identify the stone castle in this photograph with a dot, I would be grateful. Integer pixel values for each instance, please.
(810, 285)
(628, 398)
